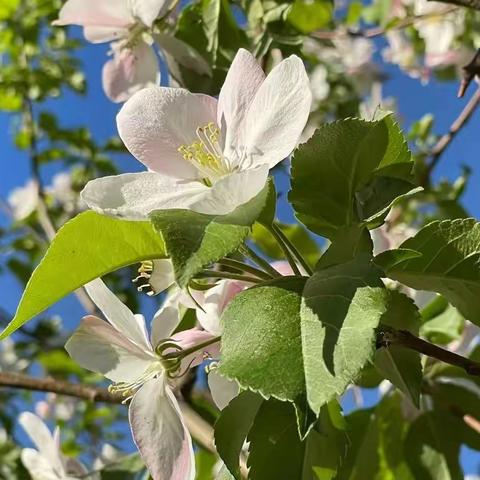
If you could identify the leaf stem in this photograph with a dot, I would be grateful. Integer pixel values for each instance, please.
(389, 336)
(228, 275)
(244, 267)
(291, 252)
(188, 351)
(248, 252)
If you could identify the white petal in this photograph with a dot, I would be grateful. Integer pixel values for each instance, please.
(129, 71)
(102, 13)
(278, 113)
(97, 34)
(231, 191)
(98, 347)
(222, 389)
(164, 323)
(155, 122)
(134, 195)
(37, 465)
(119, 315)
(214, 302)
(160, 433)
(243, 79)
(148, 10)
(182, 53)
(162, 275)
(41, 436)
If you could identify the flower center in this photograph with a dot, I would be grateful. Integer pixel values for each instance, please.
(127, 389)
(206, 153)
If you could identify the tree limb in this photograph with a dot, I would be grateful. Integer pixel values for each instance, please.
(444, 141)
(475, 4)
(389, 336)
(201, 431)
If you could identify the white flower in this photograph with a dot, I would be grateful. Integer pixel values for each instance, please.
(400, 52)
(24, 200)
(206, 155)
(9, 361)
(121, 350)
(134, 64)
(55, 406)
(438, 31)
(47, 462)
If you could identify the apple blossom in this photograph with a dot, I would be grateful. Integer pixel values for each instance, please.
(47, 462)
(129, 24)
(204, 154)
(23, 201)
(140, 369)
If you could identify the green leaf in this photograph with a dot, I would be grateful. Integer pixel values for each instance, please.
(431, 450)
(376, 436)
(232, 427)
(261, 338)
(276, 450)
(347, 244)
(400, 365)
(195, 240)
(85, 248)
(449, 264)
(308, 16)
(445, 327)
(8, 8)
(341, 308)
(350, 172)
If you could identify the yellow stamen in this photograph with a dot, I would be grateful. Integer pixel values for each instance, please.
(206, 153)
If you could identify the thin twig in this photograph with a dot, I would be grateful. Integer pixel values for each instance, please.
(442, 144)
(200, 430)
(248, 252)
(244, 267)
(227, 275)
(377, 31)
(389, 336)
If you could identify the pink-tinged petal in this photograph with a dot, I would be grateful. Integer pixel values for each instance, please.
(148, 10)
(119, 315)
(278, 113)
(155, 122)
(191, 338)
(222, 389)
(129, 71)
(232, 191)
(99, 347)
(101, 13)
(283, 267)
(41, 436)
(134, 195)
(214, 302)
(95, 34)
(243, 79)
(160, 433)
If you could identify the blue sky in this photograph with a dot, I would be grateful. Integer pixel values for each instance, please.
(97, 113)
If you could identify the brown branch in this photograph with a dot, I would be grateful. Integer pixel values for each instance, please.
(388, 336)
(201, 431)
(441, 146)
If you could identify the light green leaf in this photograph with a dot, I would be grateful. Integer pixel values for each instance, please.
(400, 365)
(308, 16)
(341, 308)
(261, 339)
(232, 427)
(449, 264)
(445, 327)
(350, 172)
(85, 248)
(195, 240)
